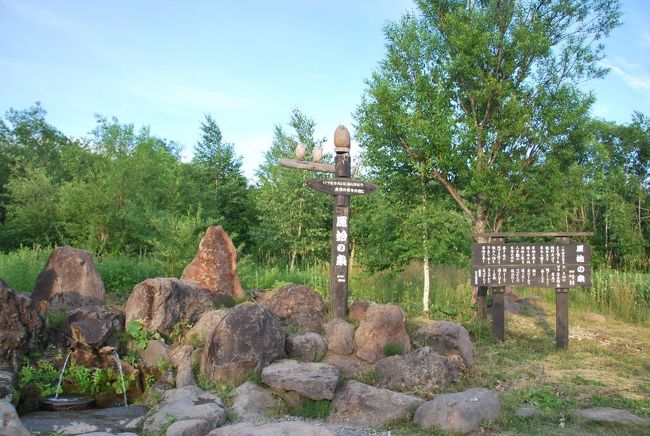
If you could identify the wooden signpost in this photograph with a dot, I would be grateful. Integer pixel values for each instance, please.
(559, 264)
(342, 187)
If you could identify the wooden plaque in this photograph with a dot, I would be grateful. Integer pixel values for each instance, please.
(340, 186)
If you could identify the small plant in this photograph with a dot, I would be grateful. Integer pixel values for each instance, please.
(44, 375)
(169, 420)
(164, 364)
(149, 380)
(316, 409)
(139, 334)
(55, 319)
(255, 377)
(179, 330)
(132, 358)
(393, 349)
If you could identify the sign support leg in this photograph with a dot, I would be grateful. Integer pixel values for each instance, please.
(481, 301)
(498, 314)
(562, 318)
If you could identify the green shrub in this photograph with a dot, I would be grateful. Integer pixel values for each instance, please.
(20, 268)
(393, 349)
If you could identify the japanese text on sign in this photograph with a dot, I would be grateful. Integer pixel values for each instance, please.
(556, 265)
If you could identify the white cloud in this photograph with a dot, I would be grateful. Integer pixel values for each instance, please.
(633, 75)
(41, 15)
(177, 97)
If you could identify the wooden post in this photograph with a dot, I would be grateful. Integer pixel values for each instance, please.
(340, 228)
(481, 301)
(498, 308)
(562, 312)
(498, 314)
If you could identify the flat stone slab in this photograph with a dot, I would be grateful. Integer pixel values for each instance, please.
(609, 414)
(290, 428)
(316, 381)
(110, 420)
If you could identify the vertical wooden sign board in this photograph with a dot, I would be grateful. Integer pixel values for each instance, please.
(560, 265)
(342, 187)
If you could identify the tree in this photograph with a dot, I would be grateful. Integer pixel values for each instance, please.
(481, 97)
(295, 221)
(221, 187)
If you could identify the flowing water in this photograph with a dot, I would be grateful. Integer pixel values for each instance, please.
(58, 386)
(119, 368)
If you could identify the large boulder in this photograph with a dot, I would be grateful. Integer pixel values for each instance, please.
(95, 326)
(297, 306)
(381, 326)
(204, 326)
(307, 346)
(349, 364)
(461, 412)
(187, 403)
(610, 415)
(361, 405)
(447, 338)
(69, 280)
(215, 265)
(316, 381)
(20, 324)
(161, 303)
(340, 336)
(358, 310)
(246, 340)
(10, 423)
(252, 401)
(422, 370)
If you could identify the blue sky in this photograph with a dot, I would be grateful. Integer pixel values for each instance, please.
(248, 63)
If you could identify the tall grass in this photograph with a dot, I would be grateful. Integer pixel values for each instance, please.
(621, 295)
(20, 268)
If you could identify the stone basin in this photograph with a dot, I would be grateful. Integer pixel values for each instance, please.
(67, 402)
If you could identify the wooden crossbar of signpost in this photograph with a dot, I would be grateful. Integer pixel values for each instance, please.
(558, 265)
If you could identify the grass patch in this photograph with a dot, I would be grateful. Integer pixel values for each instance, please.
(315, 409)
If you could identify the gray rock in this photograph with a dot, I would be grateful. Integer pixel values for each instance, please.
(349, 364)
(161, 303)
(188, 427)
(461, 412)
(527, 412)
(8, 380)
(340, 336)
(246, 340)
(204, 326)
(20, 325)
(113, 419)
(10, 423)
(252, 401)
(308, 346)
(609, 414)
(297, 306)
(358, 310)
(95, 326)
(69, 280)
(382, 325)
(180, 354)
(362, 405)
(185, 375)
(420, 370)
(447, 338)
(157, 352)
(185, 403)
(316, 381)
(290, 428)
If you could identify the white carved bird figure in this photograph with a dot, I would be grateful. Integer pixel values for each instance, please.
(317, 154)
(301, 151)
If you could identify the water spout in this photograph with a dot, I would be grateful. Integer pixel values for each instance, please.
(58, 386)
(119, 368)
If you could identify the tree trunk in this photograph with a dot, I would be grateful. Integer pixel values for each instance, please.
(425, 293)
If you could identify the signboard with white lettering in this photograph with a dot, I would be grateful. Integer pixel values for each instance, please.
(546, 265)
(341, 186)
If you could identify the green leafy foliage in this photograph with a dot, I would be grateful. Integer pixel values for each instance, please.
(139, 334)
(43, 374)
